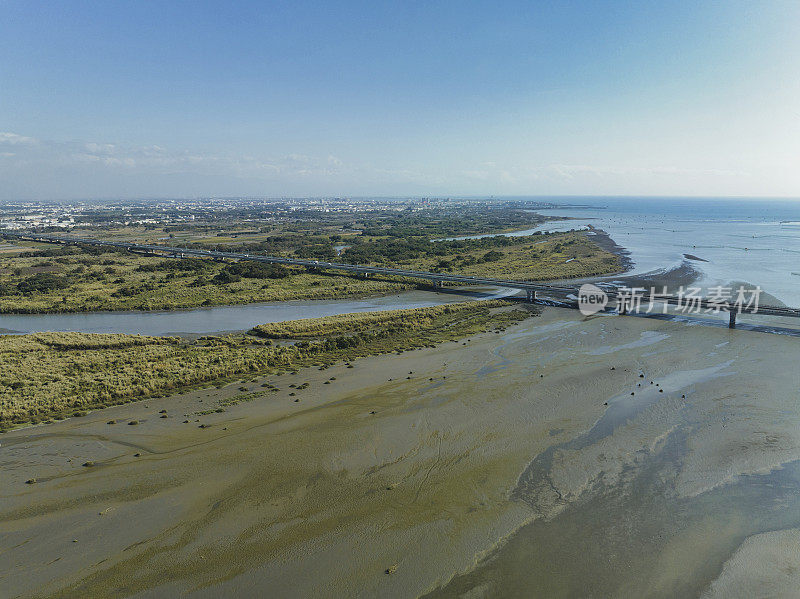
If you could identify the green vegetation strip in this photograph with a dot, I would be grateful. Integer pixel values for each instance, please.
(72, 279)
(54, 375)
(390, 323)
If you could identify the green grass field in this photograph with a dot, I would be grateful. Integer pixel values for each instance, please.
(113, 281)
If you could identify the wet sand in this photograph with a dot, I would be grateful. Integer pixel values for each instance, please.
(515, 465)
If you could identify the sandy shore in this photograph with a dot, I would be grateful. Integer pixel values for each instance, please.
(519, 462)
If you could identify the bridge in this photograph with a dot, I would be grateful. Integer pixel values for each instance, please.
(535, 292)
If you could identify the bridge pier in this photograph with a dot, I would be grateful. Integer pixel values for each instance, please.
(732, 319)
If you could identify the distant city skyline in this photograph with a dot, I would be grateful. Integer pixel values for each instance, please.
(292, 99)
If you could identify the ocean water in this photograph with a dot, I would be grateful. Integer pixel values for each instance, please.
(743, 241)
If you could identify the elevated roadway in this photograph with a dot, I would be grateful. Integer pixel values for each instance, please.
(534, 291)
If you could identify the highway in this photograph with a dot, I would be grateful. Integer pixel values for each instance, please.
(534, 291)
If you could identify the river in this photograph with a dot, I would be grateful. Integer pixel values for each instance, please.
(220, 319)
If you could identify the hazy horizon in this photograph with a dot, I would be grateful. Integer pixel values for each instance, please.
(400, 198)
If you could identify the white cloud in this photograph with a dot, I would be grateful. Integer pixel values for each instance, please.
(477, 174)
(14, 139)
(158, 160)
(96, 148)
(571, 170)
(519, 178)
(70, 168)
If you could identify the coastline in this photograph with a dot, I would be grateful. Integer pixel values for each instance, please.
(681, 275)
(604, 240)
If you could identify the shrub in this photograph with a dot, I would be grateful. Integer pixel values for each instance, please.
(258, 270)
(42, 282)
(493, 256)
(225, 277)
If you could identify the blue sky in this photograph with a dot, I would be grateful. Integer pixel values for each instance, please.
(158, 99)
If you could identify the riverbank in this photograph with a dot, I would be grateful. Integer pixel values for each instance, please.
(672, 277)
(50, 376)
(420, 472)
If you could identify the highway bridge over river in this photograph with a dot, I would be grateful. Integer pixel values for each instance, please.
(535, 292)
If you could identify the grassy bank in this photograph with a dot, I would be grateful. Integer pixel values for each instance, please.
(54, 280)
(55, 375)
(49, 279)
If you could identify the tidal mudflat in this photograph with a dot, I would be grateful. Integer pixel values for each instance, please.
(566, 456)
